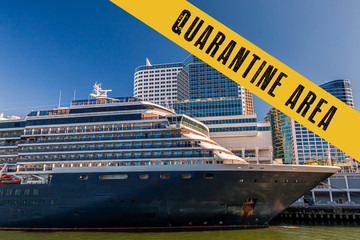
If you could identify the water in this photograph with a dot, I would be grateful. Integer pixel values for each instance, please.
(272, 233)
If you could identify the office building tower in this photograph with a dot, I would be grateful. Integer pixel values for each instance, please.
(341, 89)
(205, 82)
(302, 146)
(273, 117)
(161, 83)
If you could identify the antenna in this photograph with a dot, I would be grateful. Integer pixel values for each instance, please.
(59, 98)
(98, 92)
(74, 93)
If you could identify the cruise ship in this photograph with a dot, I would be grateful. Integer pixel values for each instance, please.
(125, 164)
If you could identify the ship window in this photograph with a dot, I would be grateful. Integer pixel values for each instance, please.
(112, 177)
(1, 192)
(84, 177)
(17, 191)
(144, 176)
(26, 191)
(34, 201)
(209, 176)
(286, 181)
(36, 192)
(16, 201)
(165, 176)
(186, 176)
(7, 201)
(24, 201)
(8, 192)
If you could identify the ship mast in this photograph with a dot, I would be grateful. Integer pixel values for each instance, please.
(98, 92)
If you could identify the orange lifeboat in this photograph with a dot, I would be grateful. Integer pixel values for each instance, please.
(6, 176)
(15, 181)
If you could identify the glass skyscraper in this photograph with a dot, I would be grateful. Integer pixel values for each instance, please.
(341, 89)
(205, 82)
(303, 146)
(274, 118)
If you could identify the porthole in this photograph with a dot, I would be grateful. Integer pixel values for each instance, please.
(208, 176)
(165, 176)
(144, 176)
(186, 176)
(84, 177)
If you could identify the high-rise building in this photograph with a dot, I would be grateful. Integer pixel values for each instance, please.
(161, 83)
(341, 89)
(301, 145)
(205, 82)
(273, 117)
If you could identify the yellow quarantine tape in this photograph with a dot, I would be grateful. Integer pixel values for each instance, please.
(253, 68)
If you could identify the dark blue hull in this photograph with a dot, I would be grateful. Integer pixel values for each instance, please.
(229, 198)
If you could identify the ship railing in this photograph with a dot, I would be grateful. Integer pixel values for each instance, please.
(124, 163)
(90, 130)
(8, 144)
(8, 153)
(10, 136)
(110, 148)
(120, 157)
(150, 136)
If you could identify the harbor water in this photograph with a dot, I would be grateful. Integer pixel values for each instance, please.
(272, 233)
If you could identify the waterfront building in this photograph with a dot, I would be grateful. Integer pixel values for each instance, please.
(302, 146)
(342, 188)
(273, 117)
(161, 83)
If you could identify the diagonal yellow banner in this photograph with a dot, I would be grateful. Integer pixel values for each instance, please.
(253, 68)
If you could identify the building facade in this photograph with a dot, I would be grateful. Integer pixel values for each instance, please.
(273, 117)
(205, 82)
(302, 146)
(341, 89)
(161, 83)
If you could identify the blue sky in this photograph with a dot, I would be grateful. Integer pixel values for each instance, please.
(48, 46)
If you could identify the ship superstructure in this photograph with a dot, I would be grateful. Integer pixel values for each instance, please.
(124, 163)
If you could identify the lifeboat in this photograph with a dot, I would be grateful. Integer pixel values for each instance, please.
(6, 176)
(15, 181)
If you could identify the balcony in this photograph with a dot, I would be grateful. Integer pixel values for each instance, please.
(87, 139)
(123, 147)
(114, 157)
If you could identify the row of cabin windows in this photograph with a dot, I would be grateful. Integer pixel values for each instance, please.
(107, 137)
(93, 129)
(143, 176)
(109, 146)
(18, 192)
(125, 155)
(27, 202)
